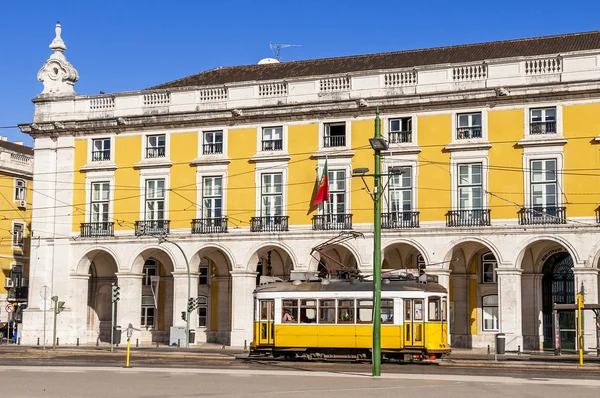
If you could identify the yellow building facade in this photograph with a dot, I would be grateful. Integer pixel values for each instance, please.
(491, 176)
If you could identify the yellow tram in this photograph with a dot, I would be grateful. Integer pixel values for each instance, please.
(333, 318)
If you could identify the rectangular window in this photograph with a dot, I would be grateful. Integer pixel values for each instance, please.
(155, 200)
(364, 311)
(387, 311)
(272, 195)
(213, 143)
(543, 185)
(203, 277)
(100, 149)
(434, 309)
(212, 197)
(400, 130)
(202, 311)
(148, 312)
(444, 309)
(418, 315)
(470, 186)
(148, 272)
(18, 235)
(308, 311)
(289, 312)
(337, 192)
(489, 272)
(326, 311)
(400, 191)
(20, 190)
(345, 311)
(469, 126)
(155, 146)
(407, 310)
(272, 138)
(335, 135)
(543, 121)
(99, 202)
(490, 312)
(16, 275)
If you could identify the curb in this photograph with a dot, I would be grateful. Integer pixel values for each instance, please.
(524, 365)
(51, 353)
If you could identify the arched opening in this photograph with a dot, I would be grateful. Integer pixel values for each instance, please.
(336, 261)
(558, 286)
(403, 256)
(272, 261)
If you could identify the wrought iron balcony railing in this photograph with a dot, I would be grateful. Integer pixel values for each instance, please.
(216, 225)
(91, 229)
(98, 156)
(330, 141)
(269, 224)
(327, 222)
(465, 133)
(158, 152)
(400, 137)
(400, 220)
(272, 145)
(542, 215)
(212, 149)
(468, 218)
(542, 127)
(152, 227)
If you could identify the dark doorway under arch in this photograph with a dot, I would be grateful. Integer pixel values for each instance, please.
(558, 286)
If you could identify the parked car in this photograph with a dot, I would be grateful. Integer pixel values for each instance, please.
(4, 330)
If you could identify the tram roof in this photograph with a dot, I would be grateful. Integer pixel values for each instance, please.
(347, 285)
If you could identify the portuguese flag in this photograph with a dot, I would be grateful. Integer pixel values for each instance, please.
(323, 192)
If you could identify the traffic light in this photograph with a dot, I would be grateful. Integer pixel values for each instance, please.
(191, 305)
(116, 291)
(60, 307)
(183, 315)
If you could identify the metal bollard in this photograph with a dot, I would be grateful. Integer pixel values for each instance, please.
(57, 342)
(489, 349)
(245, 345)
(157, 344)
(19, 341)
(519, 350)
(38, 343)
(178, 345)
(137, 341)
(77, 341)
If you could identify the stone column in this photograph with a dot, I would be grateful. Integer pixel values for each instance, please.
(180, 297)
(242, 307)
(129, 307)
(586, 283)
(509, 304)
(458, 313)
(533, 322)
(79, 284)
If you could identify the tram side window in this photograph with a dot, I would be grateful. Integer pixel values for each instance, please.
(434, 309)
(289, 312)
(387, 311)
(418, 316)
(444, 309)
(308, 311)
(407, 310)
(326, 311)
(345, 311)
(364, 312)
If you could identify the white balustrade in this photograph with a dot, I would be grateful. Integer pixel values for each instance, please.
(213, 94)
(157, 99)
(543, 66)
(334, 84)
(20, 159)
(272, 89)
(102, 103)
(470, 72)
(395, 79)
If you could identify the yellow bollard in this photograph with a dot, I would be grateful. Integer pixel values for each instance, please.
(128, 346)
(580, 327)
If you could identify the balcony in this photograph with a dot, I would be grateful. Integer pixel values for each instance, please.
(467, 133)
(400, 220)
(17, 294)
(331, 141)
(400, 137)
(542, 215)
(272, 145)
(468, 218)
(212, 149)
(94, 229)
(158, 152)
(98, 156)
(152, 227)
(216, 225)
(269, 224)
(542, 128)
(332, 222)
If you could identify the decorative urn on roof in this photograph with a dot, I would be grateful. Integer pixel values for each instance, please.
(57, 74)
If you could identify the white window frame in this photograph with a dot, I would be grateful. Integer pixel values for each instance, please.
(150, 264)
(542, 153)
(407, 170)
(266, 211)
(469, 185)
(103, 140)
(20, 190)
(155, 200)
(146, 142)
(330, 204)
(17, 277)
(323, 128)
(495, 320)
(204, 133)
(271, 168)
(261, 134)
(211, 197)
(203, 302)
(203, 271)
(144, 313)
(484, 125)
(107, 202)
(464, 157)
(527, 121)
(18, 237)
(489, 260)
(153, 174)
(388, 130)
(211, 170)
(97, 177)
(91, 140)
(544, 183)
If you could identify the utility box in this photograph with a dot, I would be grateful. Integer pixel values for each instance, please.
(500, 343)
(116, 335)
(192, 336)
(177, 335)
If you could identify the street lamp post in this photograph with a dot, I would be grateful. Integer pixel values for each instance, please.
(162, 239)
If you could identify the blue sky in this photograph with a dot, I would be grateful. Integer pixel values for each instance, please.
(129, 44)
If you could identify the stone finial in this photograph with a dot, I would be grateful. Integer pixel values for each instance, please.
(57, 74)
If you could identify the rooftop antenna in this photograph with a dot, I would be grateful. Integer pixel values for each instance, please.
(277, 48)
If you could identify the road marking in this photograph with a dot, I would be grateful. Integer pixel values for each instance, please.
(296, 373)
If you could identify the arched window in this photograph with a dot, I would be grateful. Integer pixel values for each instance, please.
(20, 190)
(488, 268)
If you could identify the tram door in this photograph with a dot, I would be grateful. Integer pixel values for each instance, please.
(265, 325)
(414, 327)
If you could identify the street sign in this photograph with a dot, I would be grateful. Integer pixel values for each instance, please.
(9, 308)
(44, 292)
(44, 304)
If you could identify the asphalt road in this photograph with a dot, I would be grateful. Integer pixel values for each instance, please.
(82, 381)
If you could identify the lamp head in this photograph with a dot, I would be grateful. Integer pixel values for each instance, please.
(396, 170)
(378, 144)
(361, 170)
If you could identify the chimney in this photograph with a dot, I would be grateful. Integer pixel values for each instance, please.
(18, 142)
(3, 138)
